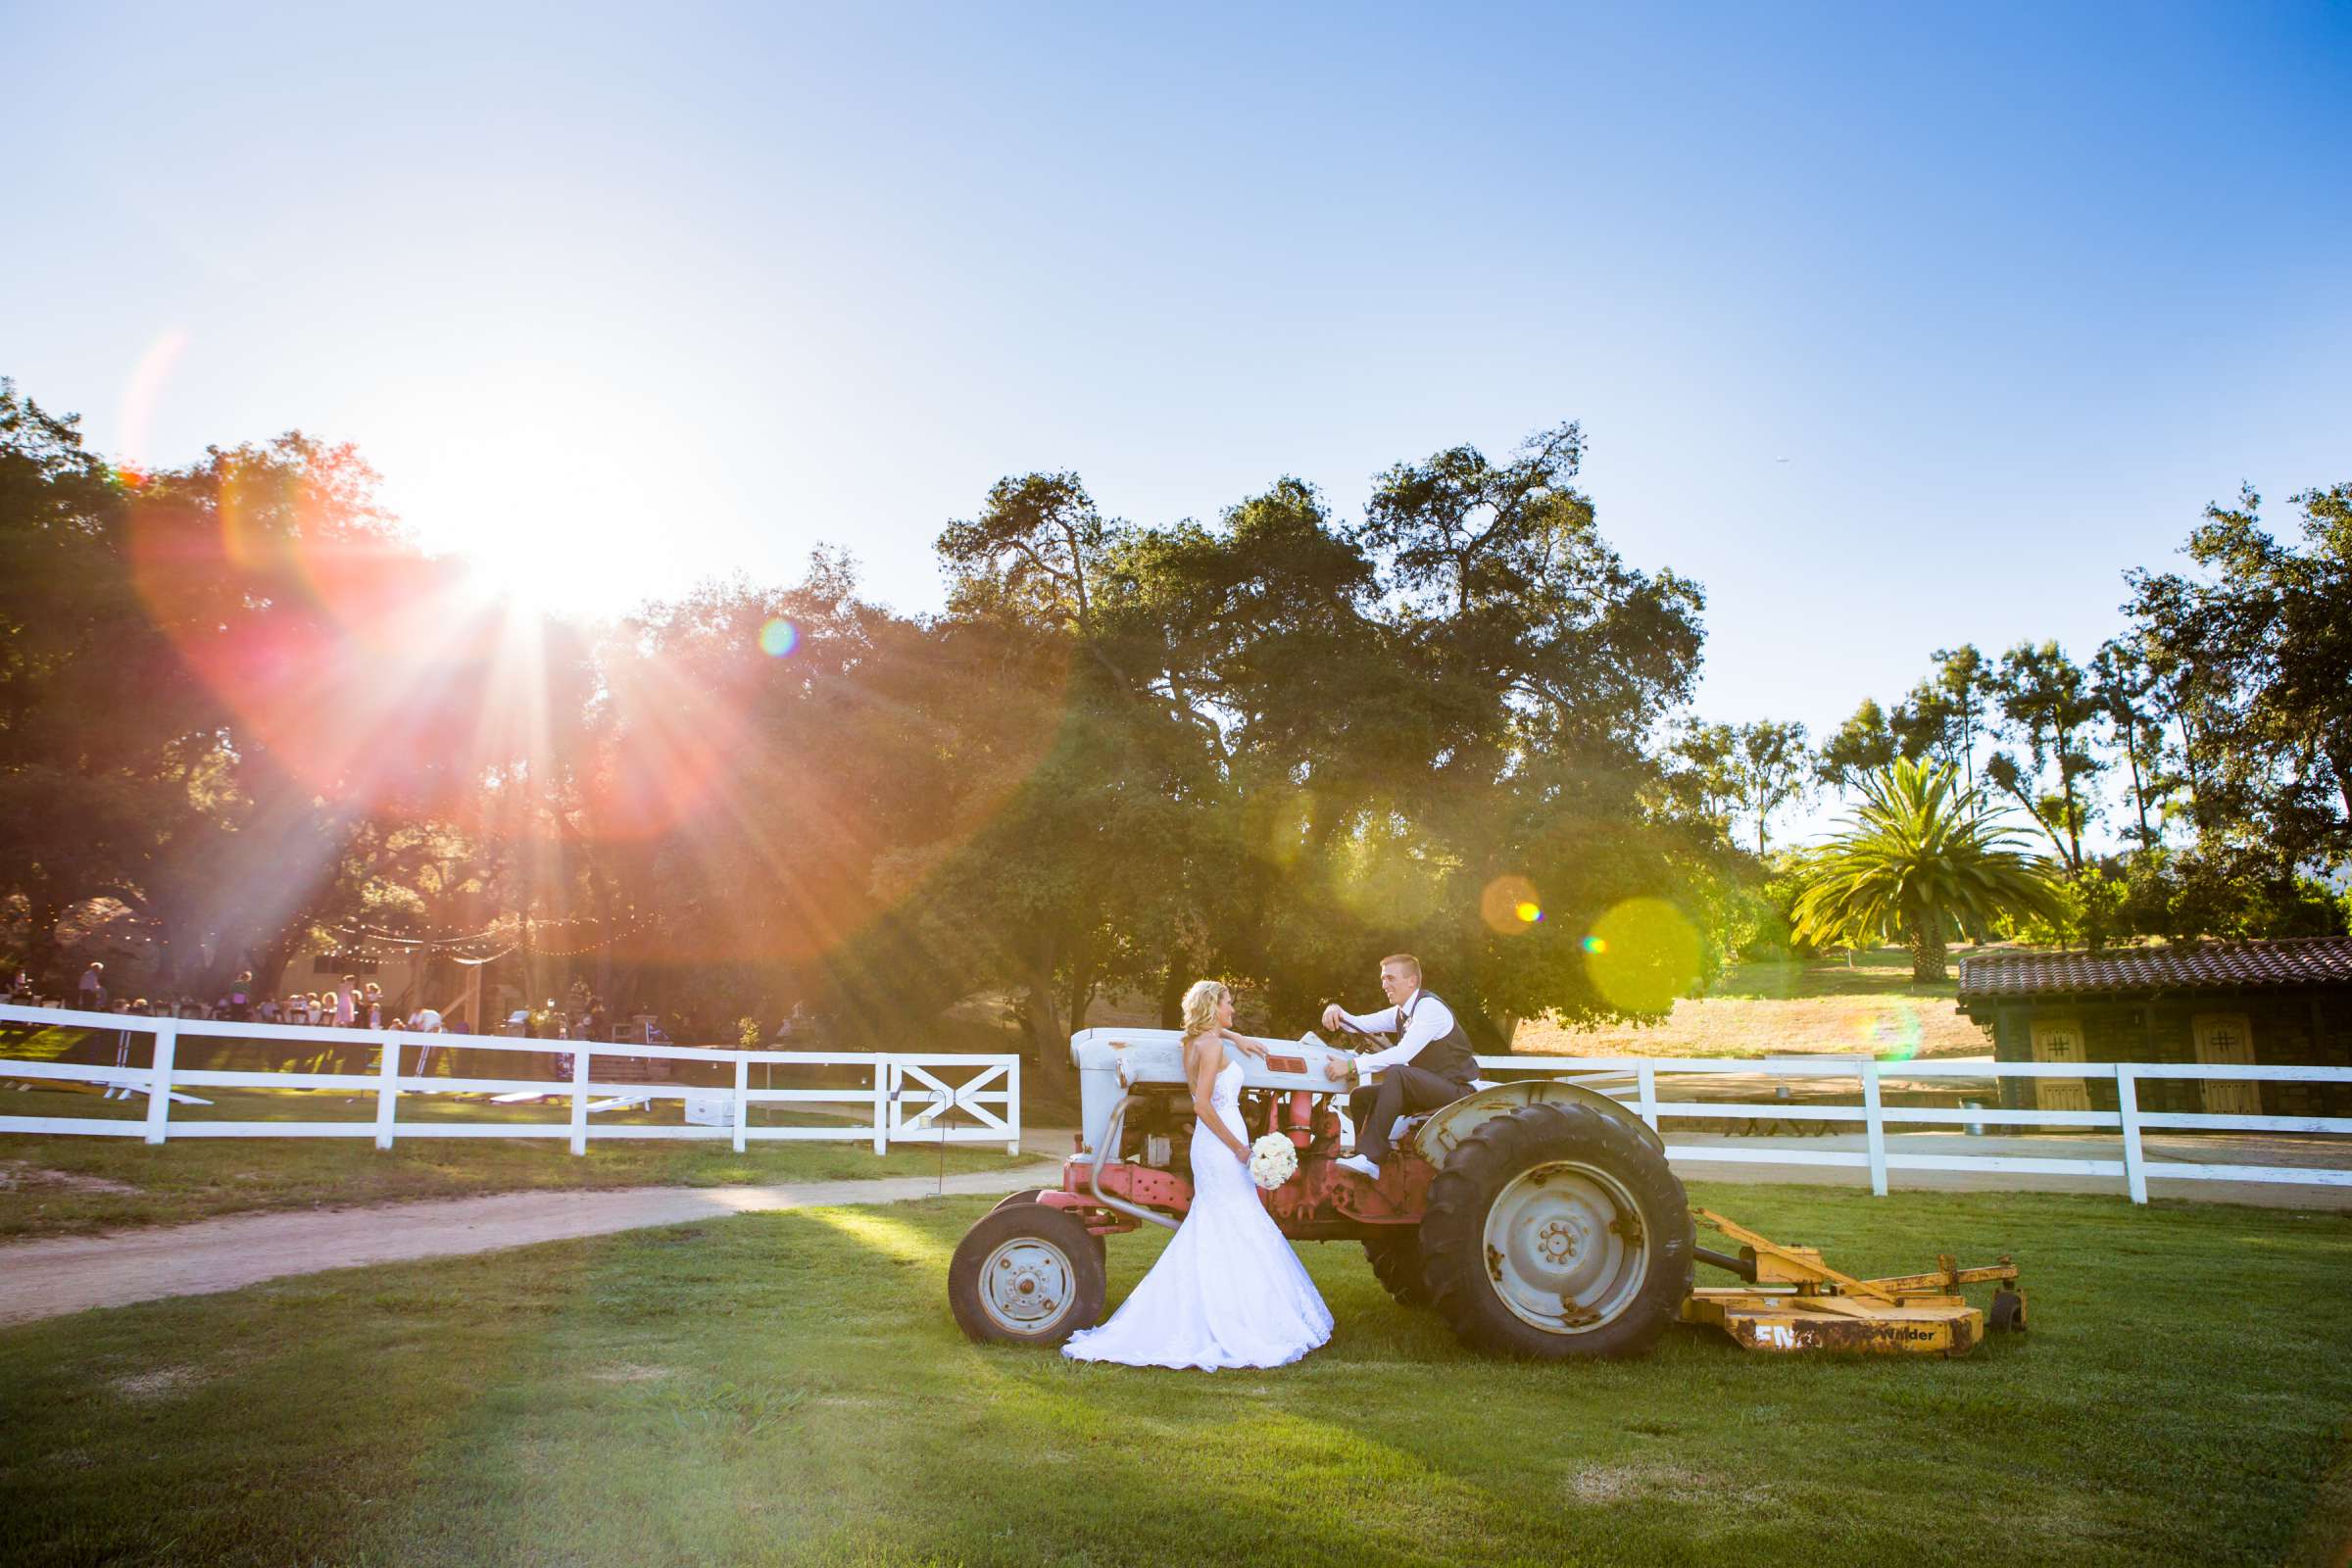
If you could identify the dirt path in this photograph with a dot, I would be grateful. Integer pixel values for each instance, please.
(67, 1274)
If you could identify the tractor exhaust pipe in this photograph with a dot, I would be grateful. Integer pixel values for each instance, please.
(1094, 1179)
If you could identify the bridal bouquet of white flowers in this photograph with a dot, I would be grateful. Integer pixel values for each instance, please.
(1272, 1161)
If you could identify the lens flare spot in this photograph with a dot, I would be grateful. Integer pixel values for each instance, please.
(1890, 1031)
(1509, 906)
(778, 638)
(141, 393)
(1643, 955)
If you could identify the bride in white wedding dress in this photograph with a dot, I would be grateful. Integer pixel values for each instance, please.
(1229, 1292)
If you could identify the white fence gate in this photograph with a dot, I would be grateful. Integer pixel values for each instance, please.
(907, 1097)
(2127, 1119)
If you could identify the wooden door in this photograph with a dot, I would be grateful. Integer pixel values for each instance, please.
(2225, 1037)
(2059, 1040)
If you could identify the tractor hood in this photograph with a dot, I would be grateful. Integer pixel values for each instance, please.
(1113, 1062)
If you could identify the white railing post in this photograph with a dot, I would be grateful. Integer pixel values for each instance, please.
(579, 1098)
(1875, 1129)
(885, 1070)
(158, 1082)
(1013, 1105)
(1645, 1077)
(387, 1089)
(743, 1090)
(2126, 1105)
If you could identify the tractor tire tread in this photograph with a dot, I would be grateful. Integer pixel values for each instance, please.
(1396, 1259)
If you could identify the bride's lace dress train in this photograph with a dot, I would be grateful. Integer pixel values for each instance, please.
(1229, 1292)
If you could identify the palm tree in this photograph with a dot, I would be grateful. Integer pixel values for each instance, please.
(1918, 856)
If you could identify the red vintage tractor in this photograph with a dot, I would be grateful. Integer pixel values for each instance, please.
(1539, 1218)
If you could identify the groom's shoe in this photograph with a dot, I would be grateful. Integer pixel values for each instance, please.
(1358, 1164)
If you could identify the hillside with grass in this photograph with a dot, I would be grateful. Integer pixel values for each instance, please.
(1789, 1008)
(1795, 1007)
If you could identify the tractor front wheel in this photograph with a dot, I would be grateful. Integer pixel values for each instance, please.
(1030, 1194)
(1557, 1233)
(1026, 1274)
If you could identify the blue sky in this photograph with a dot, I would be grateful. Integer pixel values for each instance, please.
(625, 298)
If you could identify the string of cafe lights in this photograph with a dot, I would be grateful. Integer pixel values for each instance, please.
(375, 944)
(374, 954)
(495, 932)
(638, 923)
(363, 941)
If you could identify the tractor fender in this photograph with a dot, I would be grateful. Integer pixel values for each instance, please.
(1436, 1138)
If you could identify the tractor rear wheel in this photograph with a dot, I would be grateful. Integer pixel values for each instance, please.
(1556, 1232)
(1026, 1274)
(1396, 1259)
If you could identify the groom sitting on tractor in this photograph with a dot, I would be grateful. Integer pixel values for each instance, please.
(1430, 1065)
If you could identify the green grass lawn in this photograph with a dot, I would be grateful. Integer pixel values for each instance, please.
(789, 1387)
(56, 1185)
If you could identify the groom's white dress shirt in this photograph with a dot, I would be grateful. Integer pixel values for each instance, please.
(1431, 1020)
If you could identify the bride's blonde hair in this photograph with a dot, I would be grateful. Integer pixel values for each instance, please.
(1200, 1007)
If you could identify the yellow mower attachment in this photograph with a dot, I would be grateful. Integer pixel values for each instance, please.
(1794, 1302)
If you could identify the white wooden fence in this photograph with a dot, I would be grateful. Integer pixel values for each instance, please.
(907, 1097)
(1875, 1117)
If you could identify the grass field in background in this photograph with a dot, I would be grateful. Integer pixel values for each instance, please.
(1791, 1007)
(1870, 972)
(54, 1185)
(1798, 1026)
(789, 1387)
(1787, 1007)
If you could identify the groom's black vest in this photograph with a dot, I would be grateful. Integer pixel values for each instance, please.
(1448, 1056)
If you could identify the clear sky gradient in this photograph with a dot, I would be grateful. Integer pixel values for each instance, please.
(1895, 328)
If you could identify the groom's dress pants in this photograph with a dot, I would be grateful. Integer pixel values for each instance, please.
(1402, 1091)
